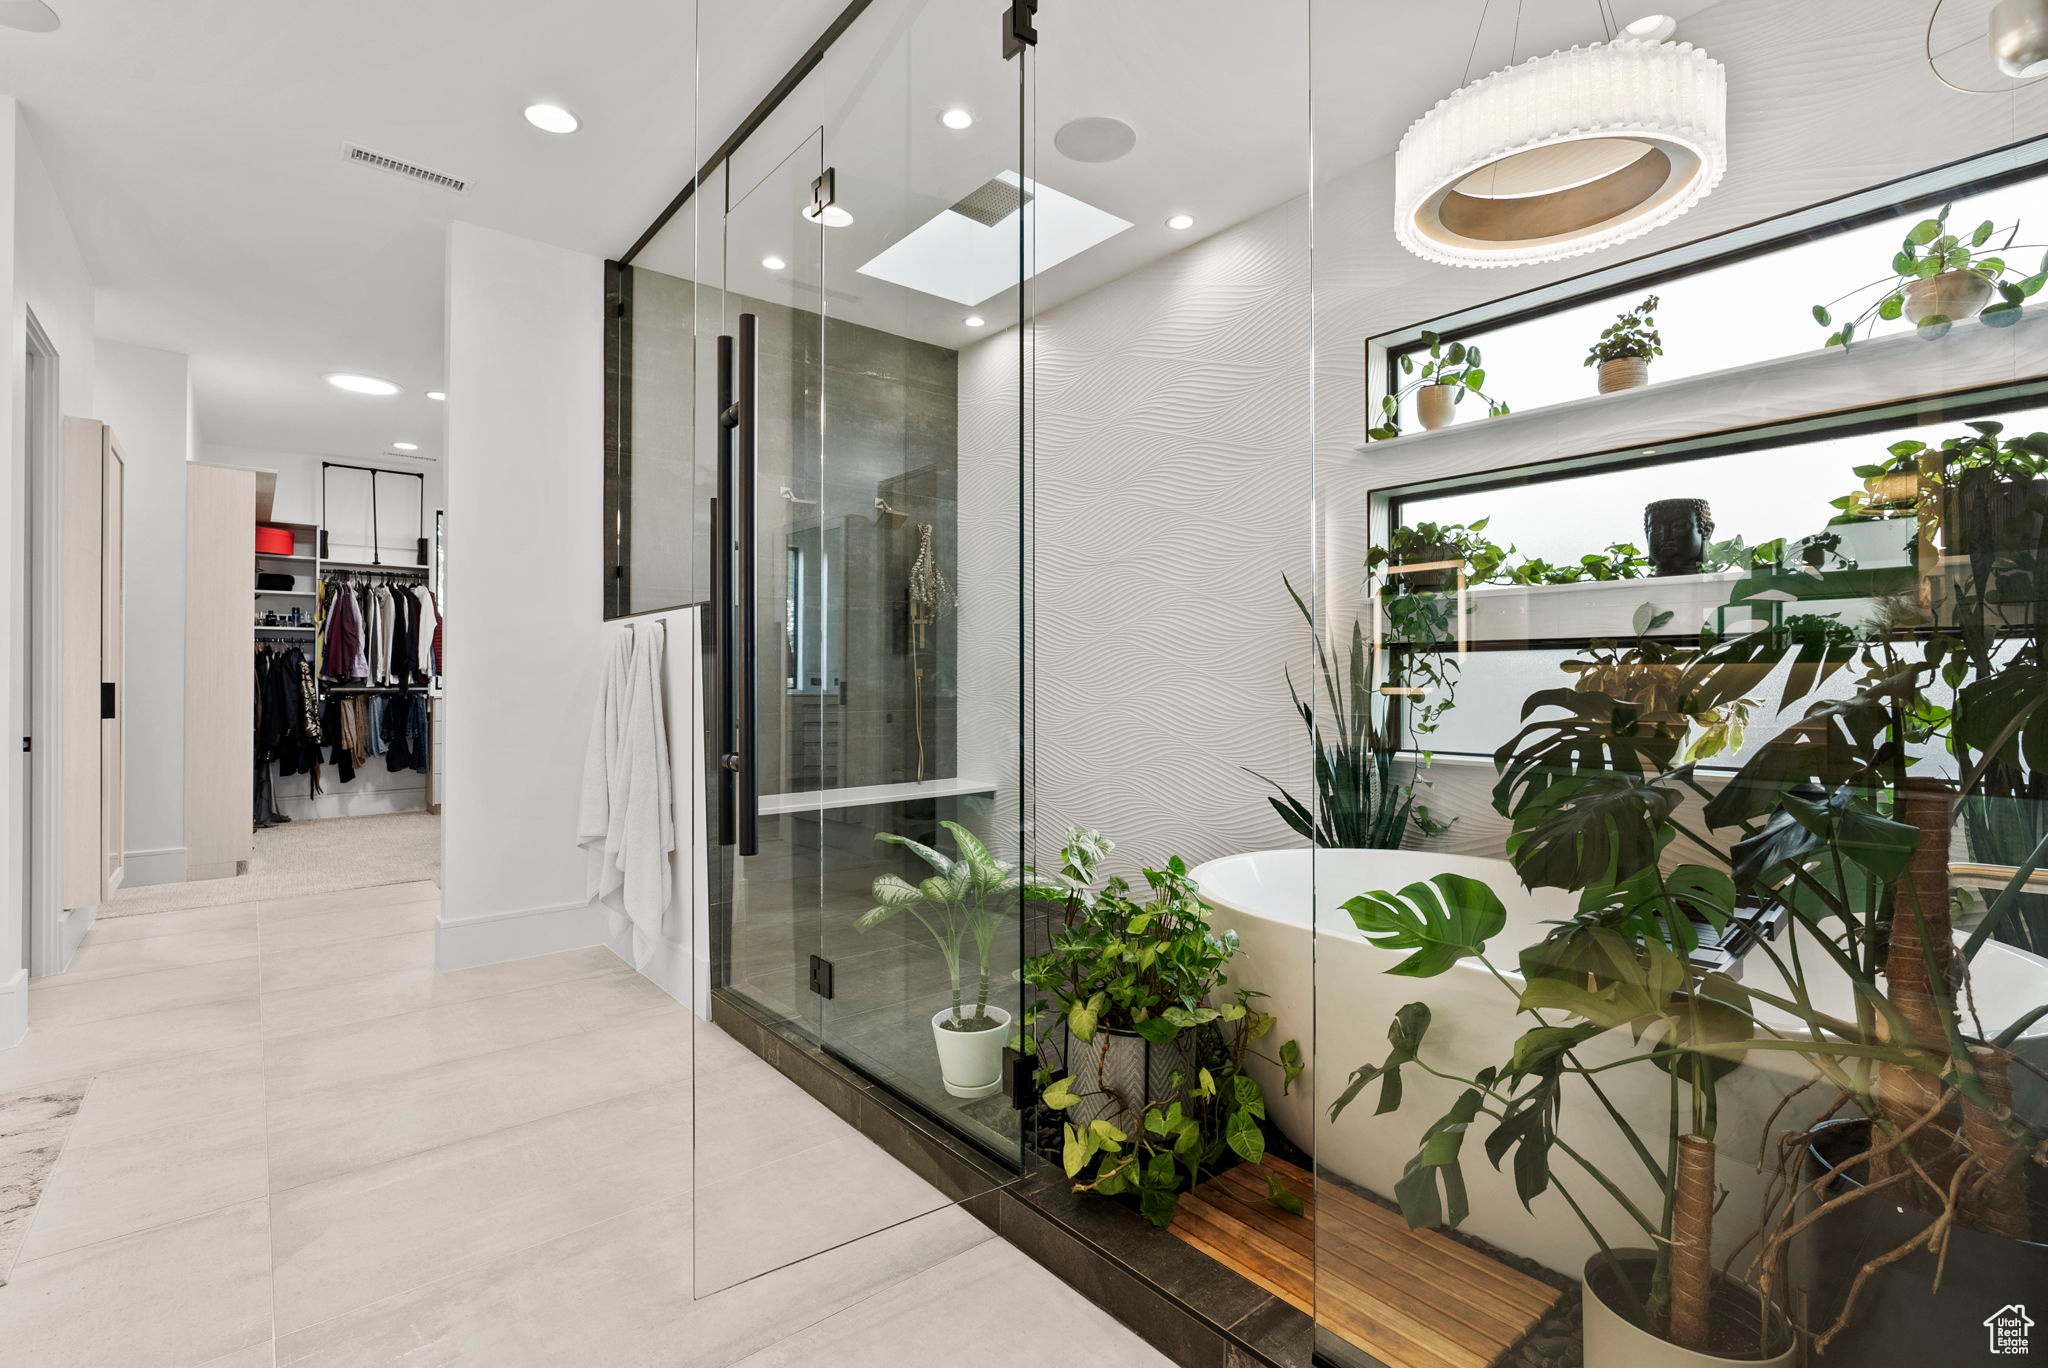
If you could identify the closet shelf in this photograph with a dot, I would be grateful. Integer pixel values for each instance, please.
(280, 627)
(275, 556)
(285, 593)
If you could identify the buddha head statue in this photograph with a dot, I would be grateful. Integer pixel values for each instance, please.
(1678, 532)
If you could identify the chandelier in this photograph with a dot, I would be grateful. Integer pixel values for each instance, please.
(1563, 155)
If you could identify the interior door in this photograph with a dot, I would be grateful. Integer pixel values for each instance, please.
(81, 576)
(113, 628)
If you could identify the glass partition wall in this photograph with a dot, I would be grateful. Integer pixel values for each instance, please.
(796, 455)
(1703, 637)
(1541, 593)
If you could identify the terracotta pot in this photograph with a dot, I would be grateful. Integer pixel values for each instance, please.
(1434, 406)
(1614, 1340)
(1956, 295)
(1624, 373)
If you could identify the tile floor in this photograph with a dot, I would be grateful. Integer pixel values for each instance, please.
(300, 1145)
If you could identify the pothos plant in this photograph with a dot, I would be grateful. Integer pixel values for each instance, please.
(1153, 968)
(1929, 250)
(1453, 364)
(1421, 610)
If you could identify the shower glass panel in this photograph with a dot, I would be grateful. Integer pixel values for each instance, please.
(1715, 695)
(869, 561)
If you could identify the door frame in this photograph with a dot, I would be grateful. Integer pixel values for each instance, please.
(43, 470)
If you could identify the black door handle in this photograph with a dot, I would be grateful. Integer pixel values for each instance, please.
(747, 435)
(108, 711)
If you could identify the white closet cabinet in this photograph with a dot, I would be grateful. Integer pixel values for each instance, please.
(220, 690)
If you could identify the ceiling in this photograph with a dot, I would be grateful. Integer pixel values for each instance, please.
(196, 147)
(1221, 94)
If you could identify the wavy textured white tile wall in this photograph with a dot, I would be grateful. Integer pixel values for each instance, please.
(1171, 491)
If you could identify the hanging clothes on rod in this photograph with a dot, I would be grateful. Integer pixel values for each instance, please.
(287, 723)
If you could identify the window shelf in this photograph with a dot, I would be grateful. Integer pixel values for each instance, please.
(1785, 389)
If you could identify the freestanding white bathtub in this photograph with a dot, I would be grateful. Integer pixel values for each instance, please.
(1331, 992)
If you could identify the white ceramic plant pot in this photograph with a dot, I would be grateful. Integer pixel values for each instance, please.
(1955, 295)
(971, 1062)
(1624, 373)
(1435, 406)
(1614, 1341)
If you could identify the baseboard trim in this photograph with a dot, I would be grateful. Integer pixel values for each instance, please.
(13, 1009)
(465, 942)
(672, 969)
(73, 923)
(142, 868)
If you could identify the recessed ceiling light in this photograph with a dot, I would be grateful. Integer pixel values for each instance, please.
(1180, 223)
(974, 320)
(774, 263)
(552, 119)
(1653, 28)
(833, 217)
(405, 446)
(436, 394)
(957, 118)
(360, 384)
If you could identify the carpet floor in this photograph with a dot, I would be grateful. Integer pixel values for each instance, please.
(299, 858)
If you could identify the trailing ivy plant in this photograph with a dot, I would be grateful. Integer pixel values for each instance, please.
(1422, 613)
(1929, 250)
(1155, 968)
(1450, 364)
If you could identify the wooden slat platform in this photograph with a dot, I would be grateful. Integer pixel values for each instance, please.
(1410, 1298)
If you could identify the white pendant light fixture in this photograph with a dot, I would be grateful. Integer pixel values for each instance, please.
(1563, 155)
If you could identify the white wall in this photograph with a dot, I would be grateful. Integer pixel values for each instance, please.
(1172, 470)
(298, 485)
(525, 472)
(41, 270)
(145, 395)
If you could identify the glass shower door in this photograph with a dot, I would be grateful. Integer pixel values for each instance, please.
(867, 573)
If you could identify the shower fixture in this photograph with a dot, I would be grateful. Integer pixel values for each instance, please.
(885, 516)
(789, 495)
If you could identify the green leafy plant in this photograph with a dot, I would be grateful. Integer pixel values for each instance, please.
(1633, 335)
(1594, 788)
(1620, 561)
(1426, 542)
(1359, 801)
(1421, 617)
(965, 900)
(1929, 250)
(1452, 364)
(1155, 969)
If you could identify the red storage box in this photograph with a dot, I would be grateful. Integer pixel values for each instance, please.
(273, 541)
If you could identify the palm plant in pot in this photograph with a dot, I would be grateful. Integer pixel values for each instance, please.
(1938, 279)
(965, 900)
(1626, 347)
(1140, 1041)
(1439, 383)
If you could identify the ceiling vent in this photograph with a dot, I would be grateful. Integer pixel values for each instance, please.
(399, 168)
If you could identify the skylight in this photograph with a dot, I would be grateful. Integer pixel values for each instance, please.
(964, 257)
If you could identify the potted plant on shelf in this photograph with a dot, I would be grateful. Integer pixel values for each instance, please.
(1625, 347)
(1415, 576)
(1994, 489)
(1440, 383)
(1360, 803)
(1938, 279)
(965, 899)
(1147, 1070)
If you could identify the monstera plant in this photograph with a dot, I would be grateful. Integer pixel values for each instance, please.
(1602, 790)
